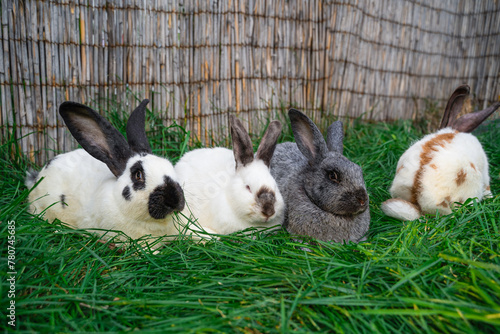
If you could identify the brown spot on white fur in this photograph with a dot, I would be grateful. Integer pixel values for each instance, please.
(428, 148)
(488, 188)
(399, 169)
(473, 166)
(444, 204)
(461, 176)
(433, 166)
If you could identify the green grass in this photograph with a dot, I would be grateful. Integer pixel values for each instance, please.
(438, 274)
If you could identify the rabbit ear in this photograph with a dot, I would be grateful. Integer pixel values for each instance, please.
(97, 136)
(309, 139)
(268, 143)
(335, 137)
(454, 106)
(242, 144)
(136, 133)
(467, 123)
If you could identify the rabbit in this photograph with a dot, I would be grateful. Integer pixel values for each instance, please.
(110, 184)
(324, 192)
(442, 168)
(231, 190)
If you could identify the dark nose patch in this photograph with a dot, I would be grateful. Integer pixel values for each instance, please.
(166, 199)
(352, 203)
(266, 199)
(361, 197)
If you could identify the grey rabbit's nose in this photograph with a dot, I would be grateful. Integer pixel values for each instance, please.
(361, 196)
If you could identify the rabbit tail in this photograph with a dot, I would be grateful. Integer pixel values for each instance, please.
(400, 209)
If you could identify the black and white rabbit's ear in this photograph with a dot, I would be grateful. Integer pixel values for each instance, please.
(96, 135)
(242, 144)
(468, 122)
(136, 132)
(309, 139)
(454, 106)
(268, 143)
(335, 137)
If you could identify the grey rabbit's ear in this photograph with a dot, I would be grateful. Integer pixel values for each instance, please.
(335, 137)
(467, 123)
(242, 144)
(96, 135)
(309, 139)
(136, 133)
(454, 106)
(268, 143)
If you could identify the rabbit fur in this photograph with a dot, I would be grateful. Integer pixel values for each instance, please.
(110, 184)
(231, 190)
(442, 168)
(324, 192)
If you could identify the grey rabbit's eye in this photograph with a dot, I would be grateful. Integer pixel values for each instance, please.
(333, 176)
(139, 175)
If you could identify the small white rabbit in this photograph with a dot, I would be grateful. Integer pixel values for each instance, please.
(230, 190)
(112, 184)
(442, 168)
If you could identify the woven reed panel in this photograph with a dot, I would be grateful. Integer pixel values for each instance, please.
(197, 61)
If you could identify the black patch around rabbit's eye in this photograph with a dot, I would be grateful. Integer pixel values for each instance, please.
(138, 176)
(126, 193)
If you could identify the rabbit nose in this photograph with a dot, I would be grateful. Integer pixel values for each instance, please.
(361, 196)
(166, 199)
(268, 211)
(266, 199)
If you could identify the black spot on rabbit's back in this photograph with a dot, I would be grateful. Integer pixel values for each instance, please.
(138, 176)
(63, 203)
(165, 199)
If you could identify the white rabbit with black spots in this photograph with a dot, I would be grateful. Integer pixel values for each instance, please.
(110, 184)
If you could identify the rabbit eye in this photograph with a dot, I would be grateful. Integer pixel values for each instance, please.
(333, 177)
(139, 176)
(248, 188)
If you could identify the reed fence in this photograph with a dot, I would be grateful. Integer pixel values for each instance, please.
(197, 61)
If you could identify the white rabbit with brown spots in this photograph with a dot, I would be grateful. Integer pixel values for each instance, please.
(442, 168)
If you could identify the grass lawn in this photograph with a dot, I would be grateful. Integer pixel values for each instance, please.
(437, 274)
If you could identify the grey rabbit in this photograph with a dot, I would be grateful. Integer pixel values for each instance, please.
(324, 192)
